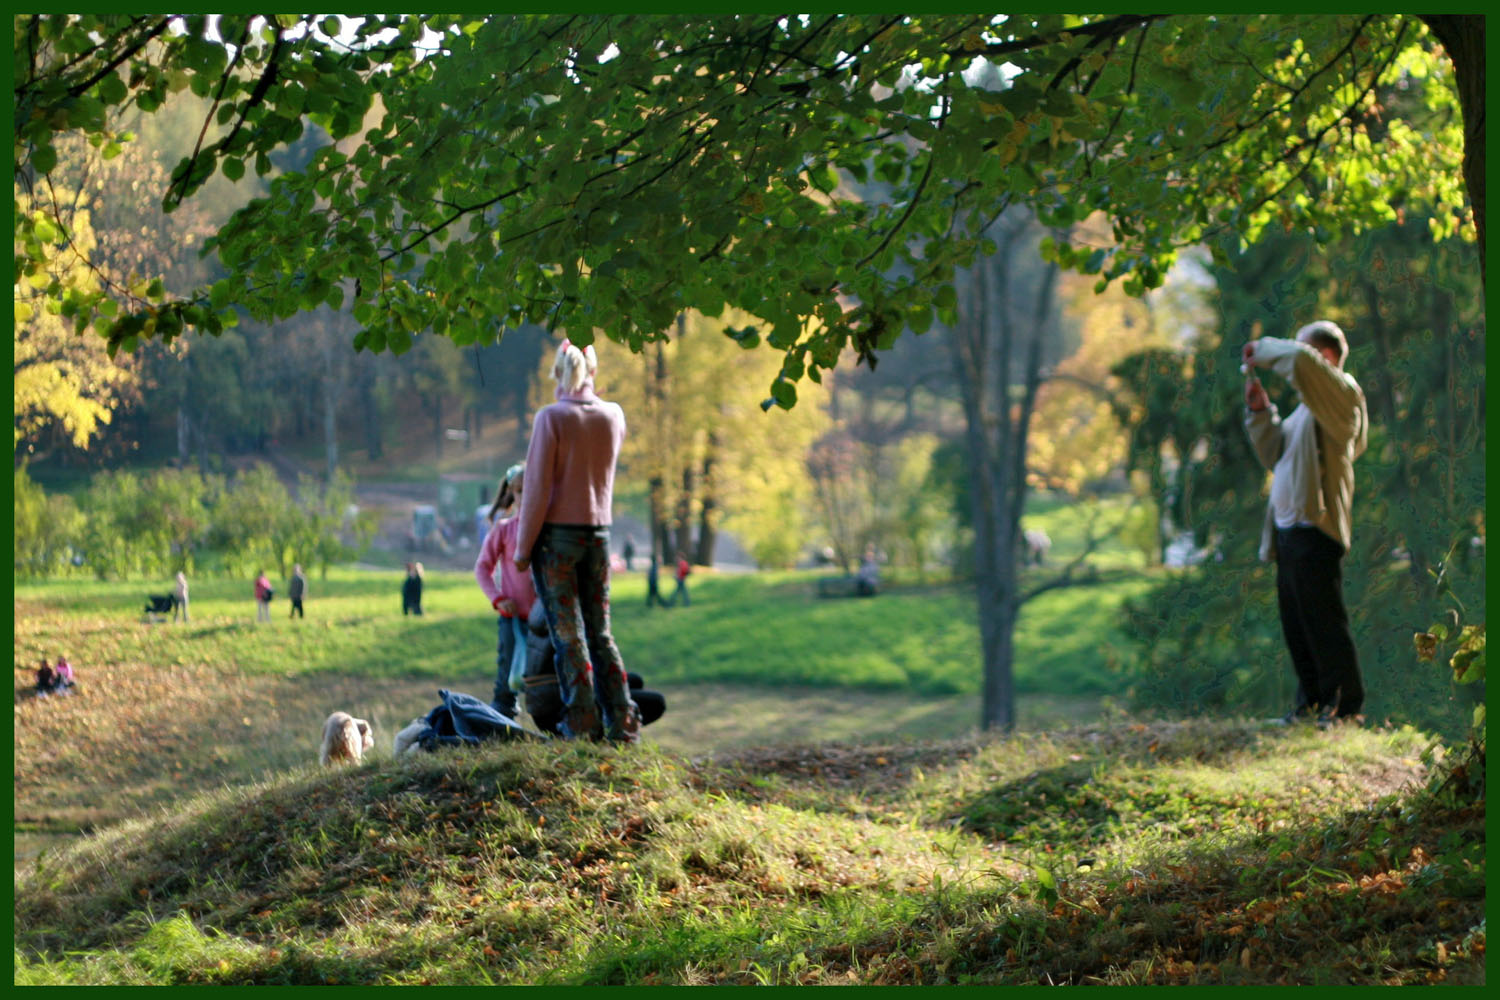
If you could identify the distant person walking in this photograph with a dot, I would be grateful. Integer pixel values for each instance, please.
(295, 590)
(564, 527)
(628, 552)
(180, 598)
(411, 590)
(653, 590)
(683, 569)
(1308, 523)
(513, 598)
(263, 594)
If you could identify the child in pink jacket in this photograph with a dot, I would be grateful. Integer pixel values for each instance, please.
(513, 598)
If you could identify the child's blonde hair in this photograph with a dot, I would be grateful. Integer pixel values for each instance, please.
(510, 489)
(573, 366)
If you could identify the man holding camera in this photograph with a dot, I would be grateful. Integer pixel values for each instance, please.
(1308, 519)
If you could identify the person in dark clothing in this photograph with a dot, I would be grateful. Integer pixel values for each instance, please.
(1308, 522)
(653, 587)
(544, 699)
(295, 589)
(629, 551)
(411, 590)
(46, 679)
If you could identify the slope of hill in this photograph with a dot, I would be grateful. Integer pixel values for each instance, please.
(1210, 851)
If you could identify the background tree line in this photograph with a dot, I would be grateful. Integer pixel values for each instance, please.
(128, 525)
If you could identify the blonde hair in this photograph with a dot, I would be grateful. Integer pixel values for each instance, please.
(573, 367)
(510, 488)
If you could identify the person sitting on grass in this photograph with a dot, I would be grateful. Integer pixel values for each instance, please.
(63, 676)
(46, 679)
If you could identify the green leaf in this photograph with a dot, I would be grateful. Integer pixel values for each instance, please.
(1048, 883)
(784, 394)
(44, 159)
(112, 89)
(233, 167)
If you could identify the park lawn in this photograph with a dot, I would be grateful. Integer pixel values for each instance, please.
(772, 628)
(135, 737)
(765, 629)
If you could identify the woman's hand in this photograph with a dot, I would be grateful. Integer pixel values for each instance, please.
(506, 607)
(523, 564)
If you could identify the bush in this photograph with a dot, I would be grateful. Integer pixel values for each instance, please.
(174, 520)
(45, 529)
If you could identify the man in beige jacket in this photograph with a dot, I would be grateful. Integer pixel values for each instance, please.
(1307, 529)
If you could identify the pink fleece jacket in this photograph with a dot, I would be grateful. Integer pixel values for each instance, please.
(570, 465)
(499, 550)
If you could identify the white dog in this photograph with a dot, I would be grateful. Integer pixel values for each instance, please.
(344, 738)
(406, 739)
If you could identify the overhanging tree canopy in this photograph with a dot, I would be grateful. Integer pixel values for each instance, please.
(595, 172)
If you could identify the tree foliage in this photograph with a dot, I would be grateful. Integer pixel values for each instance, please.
(700, 440)
(64, 379)
(157, 523)
(601, 173)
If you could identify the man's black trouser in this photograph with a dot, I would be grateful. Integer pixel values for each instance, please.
(1310, 593)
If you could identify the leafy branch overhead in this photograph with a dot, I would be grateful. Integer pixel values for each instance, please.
(605, 174)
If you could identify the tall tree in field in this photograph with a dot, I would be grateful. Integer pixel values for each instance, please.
(996, 344)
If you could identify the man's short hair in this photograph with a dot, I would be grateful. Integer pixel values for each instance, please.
(1325, 333)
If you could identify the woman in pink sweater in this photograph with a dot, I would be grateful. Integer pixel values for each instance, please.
(563, 538)
(513, 598)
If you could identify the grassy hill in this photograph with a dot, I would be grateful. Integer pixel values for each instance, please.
(783, 823)
(1168, 853)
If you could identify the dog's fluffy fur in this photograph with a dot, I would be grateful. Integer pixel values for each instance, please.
(406, 739)
(344, 738)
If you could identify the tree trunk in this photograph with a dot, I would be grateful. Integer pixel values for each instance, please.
(707, 531)
(374, 447)
(330, 429)
(1463, 36)
(184, 437)
(437, 421)
(655, 370)
(972, 353)
(684, 518)
(996, 433)
(523, 411)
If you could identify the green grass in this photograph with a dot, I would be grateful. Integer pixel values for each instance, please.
(764, 833)
(1209, 852)
(765, 629)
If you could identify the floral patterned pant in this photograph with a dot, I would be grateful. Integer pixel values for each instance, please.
(570, 570)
